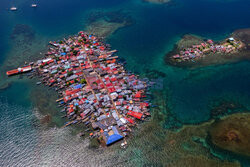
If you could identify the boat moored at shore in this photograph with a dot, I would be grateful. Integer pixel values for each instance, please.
(19, 70)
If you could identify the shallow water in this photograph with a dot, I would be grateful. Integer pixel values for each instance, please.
(185, 95)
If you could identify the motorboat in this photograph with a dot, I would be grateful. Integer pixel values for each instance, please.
(33, 5)
(13, 8)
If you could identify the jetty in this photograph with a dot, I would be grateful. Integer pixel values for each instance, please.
(94, 88)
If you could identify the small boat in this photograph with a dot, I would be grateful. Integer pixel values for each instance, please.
(81, 134)
(87, 123)
(38, 83)
(62, 110)
(19, 70)
(33, 5)
(74, 122)
(13, 8)
(87, 130)
(124, 144)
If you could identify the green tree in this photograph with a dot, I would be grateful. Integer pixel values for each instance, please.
(83, 81)
(70, 73)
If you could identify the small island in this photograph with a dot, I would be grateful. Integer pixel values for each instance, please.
(93, 87)
(193, 51)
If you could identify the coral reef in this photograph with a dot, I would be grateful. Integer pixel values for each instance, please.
(103, 23)
(232, 133)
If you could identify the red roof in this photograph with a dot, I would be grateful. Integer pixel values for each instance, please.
(144, 105)
(135, 114)
(71, 110)
(111, 89)
(118, 103)
(101, 86)
(102, 48)
(69, 92)
(98, 81)
(138, 95)
(61, 76)
(113, 79)
(64, 72)
(52, 81)
(87, 66)
(51, 61)
(109, 84)
(79, 73)
(130, 120)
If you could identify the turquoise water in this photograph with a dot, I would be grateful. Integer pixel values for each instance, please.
(143, 44)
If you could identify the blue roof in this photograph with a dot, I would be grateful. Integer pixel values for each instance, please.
(78, 86)
(63, 54)
(113, 138)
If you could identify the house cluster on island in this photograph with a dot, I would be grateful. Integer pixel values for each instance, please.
(94, 87)
(201, 50)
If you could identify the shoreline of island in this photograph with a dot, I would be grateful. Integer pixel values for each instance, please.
(94, 88)
(194, 51)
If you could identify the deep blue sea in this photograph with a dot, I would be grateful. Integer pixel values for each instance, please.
(187, 93)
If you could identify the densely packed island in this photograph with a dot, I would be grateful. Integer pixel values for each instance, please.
(93, 86)
(193, 51)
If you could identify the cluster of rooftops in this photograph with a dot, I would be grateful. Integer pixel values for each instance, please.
(205, 48)
(94, 87)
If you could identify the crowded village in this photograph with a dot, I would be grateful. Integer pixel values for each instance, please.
(231, 45)
(93, 86)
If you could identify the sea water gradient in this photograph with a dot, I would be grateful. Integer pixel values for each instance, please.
(25, 142)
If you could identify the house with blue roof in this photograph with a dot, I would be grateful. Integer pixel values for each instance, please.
(112, 136)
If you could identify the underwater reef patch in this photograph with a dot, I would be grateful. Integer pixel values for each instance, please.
(232, 133)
